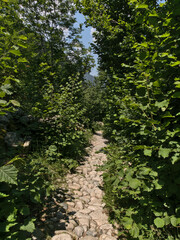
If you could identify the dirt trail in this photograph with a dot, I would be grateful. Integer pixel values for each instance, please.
(87, 218)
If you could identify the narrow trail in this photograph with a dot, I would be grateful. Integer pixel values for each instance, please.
(85, 208)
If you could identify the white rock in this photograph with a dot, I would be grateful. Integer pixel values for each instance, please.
(70, 226)
(85, 228)
(62, 236)
(106, 227)
(99, 217)
(81, 215)
(79, 205)
(94, 208)
(89, 238)
(79, 231)
(74, 186)
(109, 232)
(93, 224)
(106, 237)
(85, 199)
(84, 221)
(85, 171)
(85, 211)
(78, 193)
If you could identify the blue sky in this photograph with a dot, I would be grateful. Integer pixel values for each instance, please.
(87, 39)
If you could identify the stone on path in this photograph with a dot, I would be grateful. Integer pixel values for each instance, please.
(89, 238)
(79, 231)
(62, 236)
(88, 221)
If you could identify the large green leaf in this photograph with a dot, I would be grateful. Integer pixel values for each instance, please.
(127, 222)
(15, 52)
(29, 227)
(3, 102)
(163, 105)
(176, 95)
(159, 222)
(15, 103)
(135, 231)
(8, 174)
(174, 221)
(22, 60)
(164, 152)
(148, 152)
(173, 64)
(134, 183)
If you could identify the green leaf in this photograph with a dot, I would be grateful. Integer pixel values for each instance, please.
(163, 105)
(15, 52)
(22, 60)
(52, 148)
(159, 222)
(173, 64)
(167, 115)
(156, 84)
(142, 6)
(176, 95)
(165, 35)
(6, 58)
(2, 94)
(134, 183)
(173, 221)
(8, 174)
(12, 216)
(157, 185)
(145, 170)
(164, 152)
(29, 227)
(175, 158)
(153, 173)
(154, 14)
(177, 84)
(23, 37)
(5, 88)
(15, 103)
(148, 152)
(144, 44)
(3, 195)
(158, 214)
(3, 102)
(127, 222)
(4, 227)
(135, 231)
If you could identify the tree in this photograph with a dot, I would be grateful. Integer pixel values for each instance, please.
(54, 49)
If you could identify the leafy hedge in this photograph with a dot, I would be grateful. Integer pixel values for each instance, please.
(41, 77)
(138, 45)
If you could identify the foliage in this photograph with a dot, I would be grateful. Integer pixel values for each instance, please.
(11, 43)
(42, 64)
(55, 53)
(64, 135)
(93, 100)
(21, 197)
(138, 45)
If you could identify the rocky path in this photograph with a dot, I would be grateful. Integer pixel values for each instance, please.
(87, 218)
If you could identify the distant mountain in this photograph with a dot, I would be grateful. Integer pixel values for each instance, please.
(89, 77)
